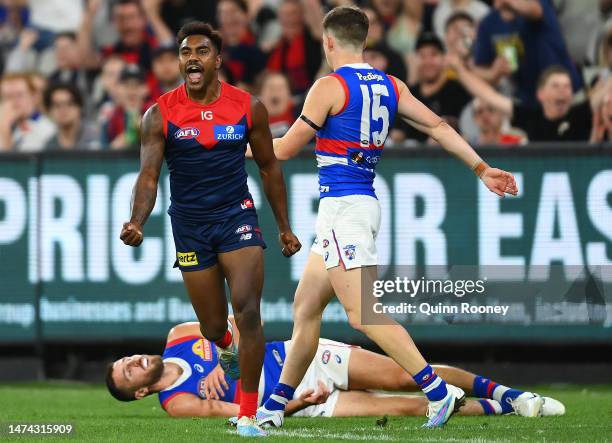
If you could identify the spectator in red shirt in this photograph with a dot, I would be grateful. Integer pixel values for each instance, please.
(298, 52)
(241, 56)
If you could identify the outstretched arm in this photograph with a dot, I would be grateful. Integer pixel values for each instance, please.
(423, 119)
(189, 405)
(324, 95)
(260, 140)
(145, 189)
(480, 88)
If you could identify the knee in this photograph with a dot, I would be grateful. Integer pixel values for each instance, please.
(354, 319)
(247, 317)
(213, 330)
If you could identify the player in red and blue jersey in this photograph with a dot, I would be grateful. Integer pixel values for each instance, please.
(202, 129)
(339, 382)
(351, 111)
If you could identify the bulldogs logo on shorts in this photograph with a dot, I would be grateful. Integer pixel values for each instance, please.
(349, 251)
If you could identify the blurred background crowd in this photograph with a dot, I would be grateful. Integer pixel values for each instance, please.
(78, 74)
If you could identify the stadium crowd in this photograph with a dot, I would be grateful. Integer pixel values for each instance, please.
(78, 74)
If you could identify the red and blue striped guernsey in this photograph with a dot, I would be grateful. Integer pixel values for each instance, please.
(350, 144)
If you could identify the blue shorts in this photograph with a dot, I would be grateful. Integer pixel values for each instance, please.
(197, 244)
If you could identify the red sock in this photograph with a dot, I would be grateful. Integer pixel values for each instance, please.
(248, 404)
(226, 340)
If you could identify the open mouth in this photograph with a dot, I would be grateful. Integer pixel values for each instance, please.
(144, 362)
(195, 73)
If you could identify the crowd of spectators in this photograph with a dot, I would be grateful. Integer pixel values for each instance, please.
(78, 74)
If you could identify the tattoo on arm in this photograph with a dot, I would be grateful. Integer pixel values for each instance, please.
(151, 157)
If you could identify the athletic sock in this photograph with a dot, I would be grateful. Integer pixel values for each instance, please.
(483, 387)
(431, 385)
(248, 404)
(281, 394)
(226, 340)
(491, 407)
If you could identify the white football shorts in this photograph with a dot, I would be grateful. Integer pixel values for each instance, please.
(331, 366)
(346, 231)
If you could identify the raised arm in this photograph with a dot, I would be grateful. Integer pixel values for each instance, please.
(530, 9)
(480, 88)
(145, 189)
(152, 10)
(88, 56)
(260, 141)
(423, 119)
(189, 405)
(324, 96)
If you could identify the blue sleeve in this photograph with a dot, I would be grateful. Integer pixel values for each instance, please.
(484, 52)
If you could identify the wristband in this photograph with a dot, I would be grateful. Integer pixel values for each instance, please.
(480, 168)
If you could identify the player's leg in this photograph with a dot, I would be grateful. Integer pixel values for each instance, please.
(366, 367)
(203, 280)
(395, 341)
(312, 295)
(207, 293)
(367, 404)
(243, 269)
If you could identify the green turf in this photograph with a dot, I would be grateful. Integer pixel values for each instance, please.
(96, 417)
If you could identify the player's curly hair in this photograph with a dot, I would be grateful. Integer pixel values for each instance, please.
(200, 28)
(119, 394)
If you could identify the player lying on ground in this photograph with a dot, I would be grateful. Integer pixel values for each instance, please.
(190, 383)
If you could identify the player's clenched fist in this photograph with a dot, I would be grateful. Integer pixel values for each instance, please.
(289, 243)
(131, 234)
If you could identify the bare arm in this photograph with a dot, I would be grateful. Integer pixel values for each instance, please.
(313, 15)
(530, 9)
(160, 29)
(88, 55)
(188, 405)
(145, 189)
(422, 118)
(322, 99)
(260, 141)
(481, 89)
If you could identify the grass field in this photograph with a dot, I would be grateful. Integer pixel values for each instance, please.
(97, 417)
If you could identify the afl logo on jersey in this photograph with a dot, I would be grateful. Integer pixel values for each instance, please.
(229, 132)
(186, 133)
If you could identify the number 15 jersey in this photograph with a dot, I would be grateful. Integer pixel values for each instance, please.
(350, 144)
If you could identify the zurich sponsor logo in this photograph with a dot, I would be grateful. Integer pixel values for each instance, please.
(198, 368)
(338, 359)
(186, 133)
(229, 132)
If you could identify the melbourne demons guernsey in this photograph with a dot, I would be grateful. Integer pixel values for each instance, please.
(350, 144)
(205, 147)
(197, 357)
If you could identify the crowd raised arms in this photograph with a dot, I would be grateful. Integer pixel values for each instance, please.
(84, 82)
